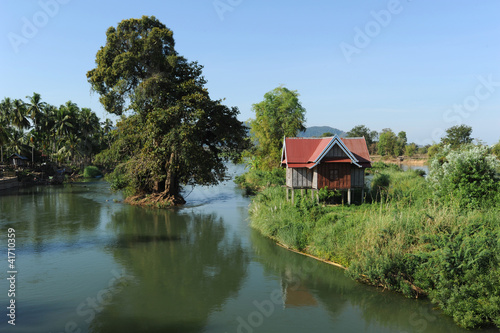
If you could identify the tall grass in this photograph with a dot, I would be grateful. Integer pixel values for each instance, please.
(403, 241)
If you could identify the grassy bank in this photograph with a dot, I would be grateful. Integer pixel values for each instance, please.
(403, 241)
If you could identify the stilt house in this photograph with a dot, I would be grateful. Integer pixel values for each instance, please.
(335, 163)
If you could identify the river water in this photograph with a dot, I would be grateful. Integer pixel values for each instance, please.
(86, 262)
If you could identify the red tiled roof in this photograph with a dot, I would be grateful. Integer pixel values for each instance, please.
(358, 147)
(306, 152)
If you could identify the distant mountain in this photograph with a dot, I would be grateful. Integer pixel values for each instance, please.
(317, 131)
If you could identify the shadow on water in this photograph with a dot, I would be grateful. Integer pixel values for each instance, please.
(185, 266)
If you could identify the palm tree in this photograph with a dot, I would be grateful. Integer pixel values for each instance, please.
(35, 108)
(18, 116)
(17, 143)
(89, 125)
(5, 112)
(107, 127)
(4, 137)
(64, 121)
(6, 108)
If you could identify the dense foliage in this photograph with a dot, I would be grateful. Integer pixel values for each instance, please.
(406, 240)
(279, 115)
(256, 180)
(176, 134)
(65, 134)
(465, 178)
(91, 172)
(457, 135)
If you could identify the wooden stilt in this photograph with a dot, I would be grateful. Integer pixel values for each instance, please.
(293, 196)
(349, 197)
(287, 199)
(363, 195)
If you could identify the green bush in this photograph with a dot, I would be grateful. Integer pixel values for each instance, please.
(465, 178)
(254, 180)
(91, 172)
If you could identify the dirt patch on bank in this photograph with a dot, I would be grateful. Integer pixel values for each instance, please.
(416, 161)
(155, 200)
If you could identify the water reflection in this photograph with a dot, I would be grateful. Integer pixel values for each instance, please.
(49, 217)
(185, 267)
(307, 283)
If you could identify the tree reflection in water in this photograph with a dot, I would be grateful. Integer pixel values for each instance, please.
(185, 267)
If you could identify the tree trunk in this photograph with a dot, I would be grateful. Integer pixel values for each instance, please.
(171, 182)
(172, 186)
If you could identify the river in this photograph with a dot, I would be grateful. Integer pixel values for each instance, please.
(86, 262)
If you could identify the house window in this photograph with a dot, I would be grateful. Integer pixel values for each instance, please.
(334, 174)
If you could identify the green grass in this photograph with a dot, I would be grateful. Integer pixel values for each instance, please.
(404, 240)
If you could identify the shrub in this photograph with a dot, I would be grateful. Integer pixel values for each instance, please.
(465, 177)
(380, 185)
(91, 172)
(256, 180)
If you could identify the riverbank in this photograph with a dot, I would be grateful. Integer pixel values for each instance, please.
(416, 160)
(8, 183)
(405, 242)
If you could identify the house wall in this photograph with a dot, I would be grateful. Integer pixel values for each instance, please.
(299, 177)
(357, 177)
(334, 176)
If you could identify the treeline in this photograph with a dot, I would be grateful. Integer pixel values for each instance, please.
(40, 131)
(388, 143)
(280, 114)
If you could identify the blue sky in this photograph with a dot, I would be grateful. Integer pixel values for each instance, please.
(418, 66)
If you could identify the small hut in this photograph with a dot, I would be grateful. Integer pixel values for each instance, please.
(335, 163)
(18, 160)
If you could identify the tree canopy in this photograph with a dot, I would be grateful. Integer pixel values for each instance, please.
(66, 134)
(363, 131)
(175, 133)
(457, 136)
(279, 115)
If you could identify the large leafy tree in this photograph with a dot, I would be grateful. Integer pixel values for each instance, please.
(363, 131)
(175, 133)
(370, 136)
(400, 145)
(279, 115)
(387, 142)
(457, 136)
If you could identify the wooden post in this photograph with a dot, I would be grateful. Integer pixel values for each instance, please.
(349, 196)
(302, 192)
(363, 195)
(287, 199)
(312, 194)
(293, 196)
